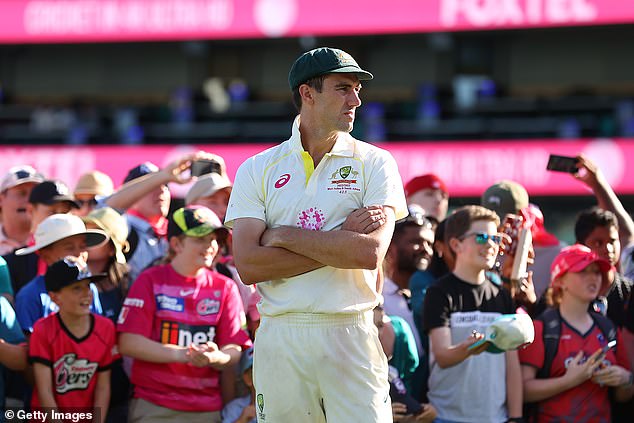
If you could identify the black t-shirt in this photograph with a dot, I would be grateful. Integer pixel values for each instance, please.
(451, 294)
(619, 298)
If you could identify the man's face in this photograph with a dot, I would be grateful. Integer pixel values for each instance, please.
(336, 104)
(87, 203)
(40, 212)
(604, 241)
(433, 201)
(414, 248)
(216, 202)
(14, 203)
(155, 203)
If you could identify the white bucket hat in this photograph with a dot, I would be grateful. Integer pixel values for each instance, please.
(59, 226)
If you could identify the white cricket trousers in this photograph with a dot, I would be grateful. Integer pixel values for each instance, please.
(316, 368)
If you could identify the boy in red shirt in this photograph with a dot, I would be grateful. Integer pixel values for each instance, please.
(72, 350)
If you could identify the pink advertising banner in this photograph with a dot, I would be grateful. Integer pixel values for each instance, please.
(468, 168)
(43, 21)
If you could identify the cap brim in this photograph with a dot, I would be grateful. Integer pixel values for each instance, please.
(60, 199)
(360, 73)
(604, 265)
(94, 237)
(490, 348)
(23, 181)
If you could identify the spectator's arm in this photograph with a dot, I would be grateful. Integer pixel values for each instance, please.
(129, 193)
(513, 384)
(102, 396)
(448, 355)
(577, 372)
(13, 356)
(591, 175)
(44, 385)
(138, 346)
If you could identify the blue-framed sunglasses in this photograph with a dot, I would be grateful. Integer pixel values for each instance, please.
(482, 237)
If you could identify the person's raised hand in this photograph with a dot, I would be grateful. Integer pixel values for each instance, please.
(588, 172)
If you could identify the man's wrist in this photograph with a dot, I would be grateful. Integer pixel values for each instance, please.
(630, 380)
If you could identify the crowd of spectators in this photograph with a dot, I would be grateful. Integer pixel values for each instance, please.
(87, 269)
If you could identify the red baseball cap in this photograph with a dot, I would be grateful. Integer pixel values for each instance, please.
(428, 180)
(576, 258)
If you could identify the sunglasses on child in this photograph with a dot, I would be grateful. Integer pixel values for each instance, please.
(483, 238)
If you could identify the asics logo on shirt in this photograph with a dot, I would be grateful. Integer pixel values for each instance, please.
(282, 180)
(181, 334)
(72, 374)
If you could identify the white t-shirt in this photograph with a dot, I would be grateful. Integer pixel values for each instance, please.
(281, 187)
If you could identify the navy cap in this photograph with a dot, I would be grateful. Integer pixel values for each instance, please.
(66, 272)
(51, 192)
(141, 170)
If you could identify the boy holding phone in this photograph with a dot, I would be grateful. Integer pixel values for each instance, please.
(458, 308)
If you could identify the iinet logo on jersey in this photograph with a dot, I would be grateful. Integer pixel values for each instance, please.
(183, 335)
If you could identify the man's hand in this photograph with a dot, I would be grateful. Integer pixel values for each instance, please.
(365, 220)
(588, 173)
(175, 170)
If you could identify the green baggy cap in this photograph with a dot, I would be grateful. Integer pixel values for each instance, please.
(321, 61)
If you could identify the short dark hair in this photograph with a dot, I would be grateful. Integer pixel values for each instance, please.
(590, 219)
(316, 82)
(459, 222)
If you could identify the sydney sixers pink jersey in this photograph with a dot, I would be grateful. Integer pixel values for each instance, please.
(74, 361)
(167, 307)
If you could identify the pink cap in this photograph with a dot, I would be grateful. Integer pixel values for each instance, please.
(576, 258)
(428, 180)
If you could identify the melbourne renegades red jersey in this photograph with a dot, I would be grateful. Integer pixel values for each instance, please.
(167, 307)
(588, 401)
(74, 361)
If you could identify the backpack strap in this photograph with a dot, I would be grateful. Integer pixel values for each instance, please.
(551, 333)
(606, 326)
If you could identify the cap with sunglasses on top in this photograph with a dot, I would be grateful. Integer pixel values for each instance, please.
(19, 175)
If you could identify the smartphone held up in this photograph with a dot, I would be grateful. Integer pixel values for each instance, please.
(564, 164)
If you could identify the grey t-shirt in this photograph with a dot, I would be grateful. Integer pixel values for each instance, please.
(475, 389)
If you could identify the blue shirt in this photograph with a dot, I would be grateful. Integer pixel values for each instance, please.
(149, 248)
(32, 303)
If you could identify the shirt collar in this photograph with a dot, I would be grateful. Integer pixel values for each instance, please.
(344, 145)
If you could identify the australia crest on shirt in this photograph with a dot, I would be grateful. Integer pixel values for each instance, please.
(344, 179)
